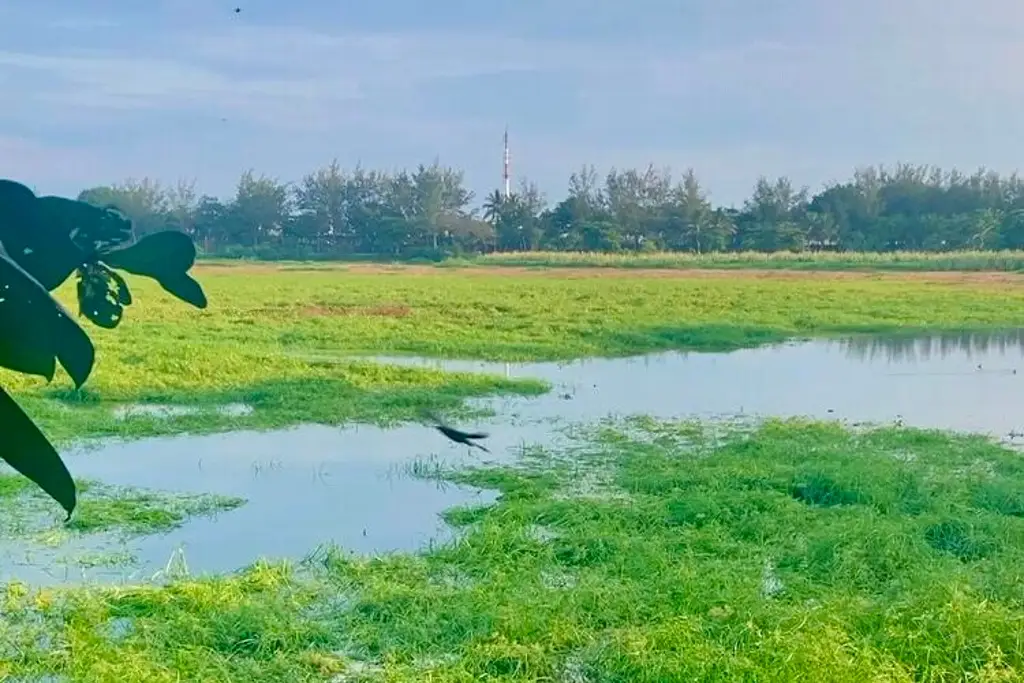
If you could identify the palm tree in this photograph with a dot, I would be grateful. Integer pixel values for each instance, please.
(493, 207)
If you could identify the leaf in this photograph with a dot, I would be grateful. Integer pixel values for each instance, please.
(36, 233)
(157, 255)
(166, 257)
(99, 228)
(74, 348)
(186, 289)
(102, 295)
(35, 330)
(27, 450)
(124, 295)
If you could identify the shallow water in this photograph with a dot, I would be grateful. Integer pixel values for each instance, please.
(305, 486)
(316, 484)
(962, 382)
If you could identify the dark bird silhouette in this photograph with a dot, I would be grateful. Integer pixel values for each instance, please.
(238, 10)
(457, 435)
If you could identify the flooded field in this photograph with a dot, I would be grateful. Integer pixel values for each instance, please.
(369, 490)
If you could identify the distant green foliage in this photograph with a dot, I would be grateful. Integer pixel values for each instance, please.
(337, 214)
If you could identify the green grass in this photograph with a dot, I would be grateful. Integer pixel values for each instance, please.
(647, 552)
(26, 513)
(252, 345)
(1004, 260)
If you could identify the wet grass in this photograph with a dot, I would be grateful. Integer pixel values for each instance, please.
(26, 513)
(1005, 260)
(648, 552)
(395, 395)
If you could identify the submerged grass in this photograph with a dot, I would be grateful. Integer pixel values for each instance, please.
(967, 260)
(648, 552)
(26, 513)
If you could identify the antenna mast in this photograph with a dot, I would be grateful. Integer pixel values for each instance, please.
(505, 176)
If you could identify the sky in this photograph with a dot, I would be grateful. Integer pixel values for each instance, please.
(96, 92)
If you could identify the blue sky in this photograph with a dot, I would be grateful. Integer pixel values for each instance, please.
(96, 92)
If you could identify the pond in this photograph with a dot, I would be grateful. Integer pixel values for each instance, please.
(317, 484)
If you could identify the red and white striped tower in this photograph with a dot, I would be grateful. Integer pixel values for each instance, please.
(505, 175)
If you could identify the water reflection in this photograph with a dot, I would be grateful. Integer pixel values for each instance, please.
(964, 382)
(910, 348)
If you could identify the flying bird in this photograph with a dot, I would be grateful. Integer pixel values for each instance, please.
(458, 436)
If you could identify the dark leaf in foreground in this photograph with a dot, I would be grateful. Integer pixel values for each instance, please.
(37, 330)
(42, 241)
(36, 235)
(27, 451)
(186, 289)
(166, 257)
(91, 229)
(102, 295)
(457, 435)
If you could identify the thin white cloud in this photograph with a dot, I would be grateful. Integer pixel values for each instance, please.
(247, 69)
(95, 80)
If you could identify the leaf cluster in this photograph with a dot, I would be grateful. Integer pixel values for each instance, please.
(43, 240)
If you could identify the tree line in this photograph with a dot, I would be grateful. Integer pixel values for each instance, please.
(340, 213)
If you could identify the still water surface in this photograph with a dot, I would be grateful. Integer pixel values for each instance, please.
(316, 484)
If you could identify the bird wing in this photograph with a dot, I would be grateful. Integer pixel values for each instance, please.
(476, 435)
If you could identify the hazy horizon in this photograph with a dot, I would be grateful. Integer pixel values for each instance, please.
(190, 89)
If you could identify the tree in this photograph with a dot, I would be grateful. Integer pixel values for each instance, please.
(262, 208)
(775, 216)
(689, 222)
(320, 201)
(436, 191)
(182, 203)
(43, 240)
(143, 201)
(211, 221)
(337, 212)
(633, 200)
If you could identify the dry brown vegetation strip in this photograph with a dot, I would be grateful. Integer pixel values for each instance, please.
(991, 277)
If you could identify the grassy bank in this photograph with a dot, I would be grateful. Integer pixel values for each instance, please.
(1006, 260)
(649, 552)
